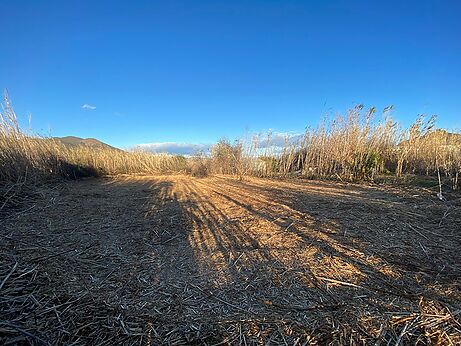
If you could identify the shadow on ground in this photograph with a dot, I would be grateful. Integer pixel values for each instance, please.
(180, 260)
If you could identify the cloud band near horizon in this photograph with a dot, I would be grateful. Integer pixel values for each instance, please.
(274, 140)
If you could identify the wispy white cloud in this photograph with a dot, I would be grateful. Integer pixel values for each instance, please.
(174, 148)
(88, 107)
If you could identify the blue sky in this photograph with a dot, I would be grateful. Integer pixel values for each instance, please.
(194, 71)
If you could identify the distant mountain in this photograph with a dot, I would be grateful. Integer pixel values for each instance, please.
(72, 141)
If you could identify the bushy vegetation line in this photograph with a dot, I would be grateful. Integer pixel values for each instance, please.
(27, 161)
(24, 157)
(358, 146)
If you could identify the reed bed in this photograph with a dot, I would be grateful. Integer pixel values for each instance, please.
(358, 146)
(30, 159)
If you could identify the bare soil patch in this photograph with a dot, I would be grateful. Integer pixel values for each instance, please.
(181, 260)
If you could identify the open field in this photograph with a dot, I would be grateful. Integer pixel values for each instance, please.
(181, 260)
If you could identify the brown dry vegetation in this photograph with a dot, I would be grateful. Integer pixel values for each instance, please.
(30, 159)
(231, 258)
(181, 260)
(355, 147)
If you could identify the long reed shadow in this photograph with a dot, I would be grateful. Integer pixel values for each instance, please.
(393, 219)
(183, 260)
(382, 279)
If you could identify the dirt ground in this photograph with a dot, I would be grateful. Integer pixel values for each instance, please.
(181, 260)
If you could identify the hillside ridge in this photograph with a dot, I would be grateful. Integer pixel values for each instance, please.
(73, 141)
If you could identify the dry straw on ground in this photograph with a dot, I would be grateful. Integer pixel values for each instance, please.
(177, 260)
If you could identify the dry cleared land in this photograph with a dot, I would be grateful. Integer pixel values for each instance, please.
(182, 260)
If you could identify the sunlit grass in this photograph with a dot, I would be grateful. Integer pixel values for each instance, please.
(358, 146)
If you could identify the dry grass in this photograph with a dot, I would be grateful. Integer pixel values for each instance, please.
(355, 147)
(27, 160)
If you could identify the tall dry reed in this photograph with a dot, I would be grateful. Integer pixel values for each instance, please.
(358, 146)
(27, 159)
